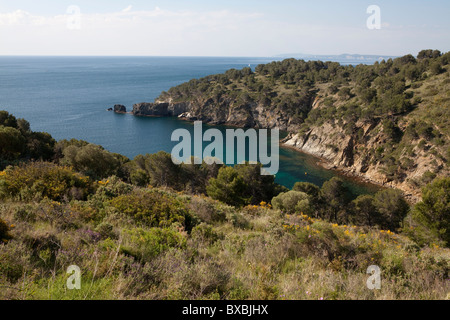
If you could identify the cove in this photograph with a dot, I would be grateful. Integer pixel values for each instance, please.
(151, 134)
(68, 97)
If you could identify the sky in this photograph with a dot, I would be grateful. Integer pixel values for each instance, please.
(250, 28)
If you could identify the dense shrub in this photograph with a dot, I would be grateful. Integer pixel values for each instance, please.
(14, 259)
(364, 211)
(162, 171)
(18, 142)
(336, 196)
(308, 188)
(392, 208)
(139, 178)
(147, 244)
(38, 180)
(44, 249)
(228, 187)
(292, 202)
(4, 232)
(153, 209)
(205, 233)
(243, 184)
(432, 214)
(12, 143)
(258, 187)
(7, 120)
(207, 210)
(111, 188)
(91, 160)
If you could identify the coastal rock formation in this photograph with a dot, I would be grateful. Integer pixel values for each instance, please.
(159, 109)
(382, 122)
(337, 148)
(118, 108)
(348, 154)
(245, 115)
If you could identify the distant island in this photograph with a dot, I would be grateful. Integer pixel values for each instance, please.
(386, 122)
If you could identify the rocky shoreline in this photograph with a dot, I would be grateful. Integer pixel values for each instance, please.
(324, 163)
(341, 160)
(346, 160)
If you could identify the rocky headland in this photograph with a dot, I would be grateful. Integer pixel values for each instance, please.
(381, 126)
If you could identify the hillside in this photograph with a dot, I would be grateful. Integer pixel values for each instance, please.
(152, 243)
(148, 229)
(387, 122)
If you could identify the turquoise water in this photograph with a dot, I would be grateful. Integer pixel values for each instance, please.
(68, 97)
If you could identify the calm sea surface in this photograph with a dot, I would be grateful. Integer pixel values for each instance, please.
(68, 97)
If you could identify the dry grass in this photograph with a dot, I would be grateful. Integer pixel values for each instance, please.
(270, 256)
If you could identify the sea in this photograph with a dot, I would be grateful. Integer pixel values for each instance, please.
(68, 97)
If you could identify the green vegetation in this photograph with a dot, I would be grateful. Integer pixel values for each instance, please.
(396, 111)
(227, 187)
(89, 159)
(18, 142)
(242, 185)
(431, 216)
(40, 180)
(152, 209)
(292, 202)
(149, 231)
(4, 232)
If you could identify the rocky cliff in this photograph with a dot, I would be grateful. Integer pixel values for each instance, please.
(162, 109)
(245, 115)
(352, 153)
(386, 123)
(337, 148)
(118, 108)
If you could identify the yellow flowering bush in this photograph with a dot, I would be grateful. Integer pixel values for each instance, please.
(103, 183)
(147, 244)
(153, 208)
(38, 180)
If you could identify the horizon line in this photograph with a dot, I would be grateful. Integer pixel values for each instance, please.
(282, 55)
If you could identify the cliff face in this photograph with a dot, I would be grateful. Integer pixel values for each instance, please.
(386, 123)
(118, 108)
(339, 149)
(246, 115)
(348, 153)
(161, 109)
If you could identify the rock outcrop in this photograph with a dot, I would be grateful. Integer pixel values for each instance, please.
(373, 130)
(245, 115)
(162, 109)
(338, 148)
(347, 153)
(118, 108)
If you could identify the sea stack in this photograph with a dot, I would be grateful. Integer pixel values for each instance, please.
(118, 108)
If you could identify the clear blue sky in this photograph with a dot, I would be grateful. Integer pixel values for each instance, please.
(222, 28)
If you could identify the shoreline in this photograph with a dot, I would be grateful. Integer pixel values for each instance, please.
(324, 163)
(320, 162)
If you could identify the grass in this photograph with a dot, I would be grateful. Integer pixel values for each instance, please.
(250, 253)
